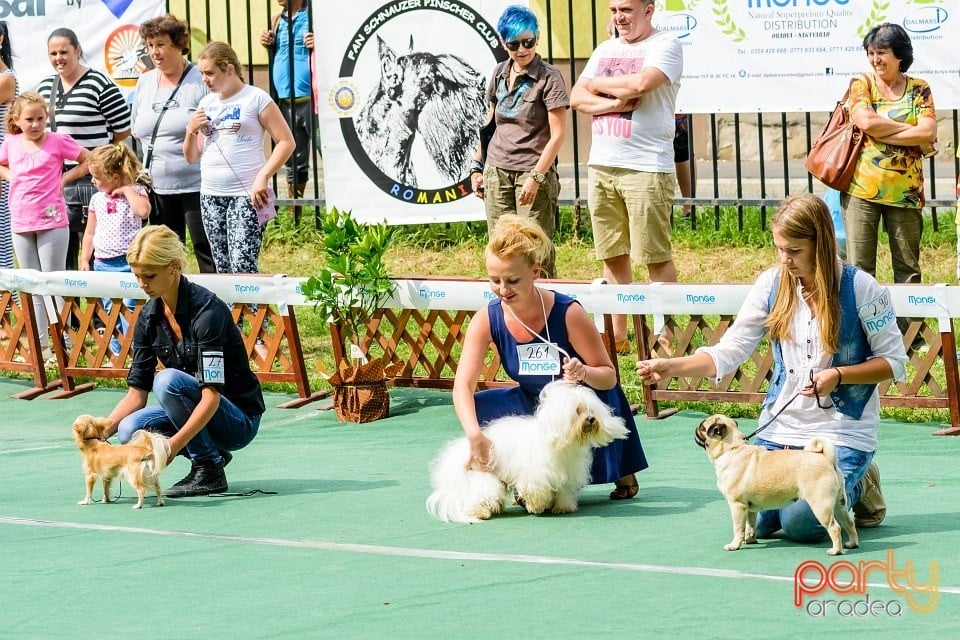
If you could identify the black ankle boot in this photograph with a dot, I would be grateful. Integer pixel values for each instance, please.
(205, 477)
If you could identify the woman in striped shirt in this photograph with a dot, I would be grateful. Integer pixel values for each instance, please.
(8, 91)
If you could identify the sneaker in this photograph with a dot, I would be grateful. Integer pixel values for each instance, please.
(872, 508)
(205, 477)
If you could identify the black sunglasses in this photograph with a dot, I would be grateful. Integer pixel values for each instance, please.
(514, 45)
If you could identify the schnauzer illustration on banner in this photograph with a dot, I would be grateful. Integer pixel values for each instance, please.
(439, 97)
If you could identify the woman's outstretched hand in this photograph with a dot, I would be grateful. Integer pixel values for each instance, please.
(653, 371)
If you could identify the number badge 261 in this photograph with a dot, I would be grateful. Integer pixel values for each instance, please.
(539, 359)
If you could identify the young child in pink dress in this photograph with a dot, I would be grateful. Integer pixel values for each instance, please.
(116, 214)
(31, 159)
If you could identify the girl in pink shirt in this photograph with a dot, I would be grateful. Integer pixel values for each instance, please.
(117, 211)
(31, 159)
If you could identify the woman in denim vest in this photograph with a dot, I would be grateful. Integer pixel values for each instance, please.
(834, 337)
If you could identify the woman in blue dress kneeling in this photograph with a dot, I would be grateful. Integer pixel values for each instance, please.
(521, 322)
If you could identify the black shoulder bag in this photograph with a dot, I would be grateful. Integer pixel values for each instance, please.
(77, 194)
(146, 181)
(486, 131)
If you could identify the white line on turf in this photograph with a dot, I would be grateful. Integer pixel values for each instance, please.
(56, 446)
(436, 554)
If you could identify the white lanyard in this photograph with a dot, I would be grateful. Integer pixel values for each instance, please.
(534, 358)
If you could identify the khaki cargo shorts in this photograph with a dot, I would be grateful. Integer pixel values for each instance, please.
(630, 213)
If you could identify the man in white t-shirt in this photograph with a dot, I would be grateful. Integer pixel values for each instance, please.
(630, 87)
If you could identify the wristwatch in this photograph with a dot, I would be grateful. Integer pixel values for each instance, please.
(537, 176)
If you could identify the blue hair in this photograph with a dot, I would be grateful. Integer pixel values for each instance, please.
(516, 20)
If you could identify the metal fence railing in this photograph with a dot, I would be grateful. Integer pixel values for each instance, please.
(740, 160)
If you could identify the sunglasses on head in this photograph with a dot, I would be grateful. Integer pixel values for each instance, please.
(514, 45)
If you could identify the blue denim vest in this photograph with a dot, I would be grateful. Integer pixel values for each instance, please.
(852, 348)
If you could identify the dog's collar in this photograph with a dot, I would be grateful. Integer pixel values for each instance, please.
(95, 438)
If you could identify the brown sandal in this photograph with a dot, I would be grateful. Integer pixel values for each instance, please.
(625, 490)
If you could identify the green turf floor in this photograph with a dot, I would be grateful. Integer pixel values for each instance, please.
(346, 549)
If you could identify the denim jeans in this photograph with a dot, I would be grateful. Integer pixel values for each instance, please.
(797, 519)
(115, 265)
(178, 394)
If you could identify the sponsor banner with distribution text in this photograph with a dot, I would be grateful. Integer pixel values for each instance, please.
(401, 94)
(798, 55)
(108, 31)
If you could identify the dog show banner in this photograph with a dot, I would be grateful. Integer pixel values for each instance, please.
(799, 55)
(108, 31)
(401, 94)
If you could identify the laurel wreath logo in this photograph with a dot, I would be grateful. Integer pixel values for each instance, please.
(878, 14)
(675, 5)
(726, 23)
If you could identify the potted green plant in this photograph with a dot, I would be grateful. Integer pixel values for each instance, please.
(347, 291)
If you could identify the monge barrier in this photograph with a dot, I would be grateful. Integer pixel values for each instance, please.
(82, 328)
(421, 329)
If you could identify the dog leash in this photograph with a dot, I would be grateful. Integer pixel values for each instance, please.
(245, 494)
(210, 135)
(774, 416)
(783, 408)
(116, 497)
(546, 326)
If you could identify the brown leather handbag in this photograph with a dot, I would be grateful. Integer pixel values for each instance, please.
(834, 154)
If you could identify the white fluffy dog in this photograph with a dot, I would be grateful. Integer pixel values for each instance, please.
(546, 457)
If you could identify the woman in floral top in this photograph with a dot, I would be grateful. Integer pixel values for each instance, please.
(896, 113)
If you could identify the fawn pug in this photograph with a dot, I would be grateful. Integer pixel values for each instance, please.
(140, 461)
(753, 479)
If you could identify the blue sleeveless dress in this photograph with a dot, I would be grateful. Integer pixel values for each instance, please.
(619, 458)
